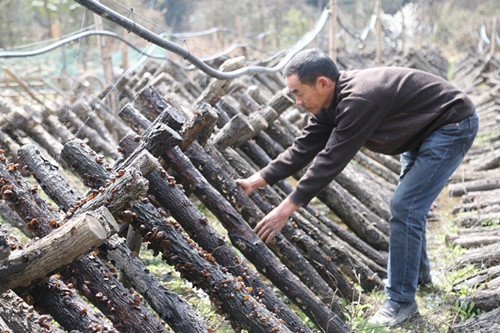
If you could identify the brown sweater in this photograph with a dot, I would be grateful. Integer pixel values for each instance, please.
(388, 110)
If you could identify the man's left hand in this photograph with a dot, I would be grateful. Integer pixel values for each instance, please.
(275, 220)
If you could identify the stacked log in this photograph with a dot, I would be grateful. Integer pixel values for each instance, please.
(140, 173)
(477, 185)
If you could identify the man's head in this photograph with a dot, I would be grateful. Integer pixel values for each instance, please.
(311, 77)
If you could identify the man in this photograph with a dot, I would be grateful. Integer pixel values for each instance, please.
(431, 123)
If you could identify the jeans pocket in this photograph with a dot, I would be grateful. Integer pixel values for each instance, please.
(450, 128)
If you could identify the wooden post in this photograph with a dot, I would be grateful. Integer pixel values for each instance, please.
(493, 33)
(378, 36)
(333, 30)
(107, 62)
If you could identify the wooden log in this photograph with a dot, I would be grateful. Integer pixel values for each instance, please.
(483, 277)
(474, 201)
(238, 130)
(485, 300)
(54, 126)
(176, 312)
(32, 157)
(9, 146)
(19, 317)
(88, 178)
(459, 189)
(169, 307)
(377, 168)
(491, 162)
(201, 125)
(297, 263)
(128, 112)
(210, 240)
(12, 218)
(148, 102)
(477, 219)
(73, 239)
(27, 121)
(115, 125)
(180, 75)
(364, 186)
(310, 239)
(485, 256)
(91, 119)
(82, 131)
(474, 238)
(90, 275)
(216, 89)
(67, 307)
(390, 162)
(57, 299)
(486, 322)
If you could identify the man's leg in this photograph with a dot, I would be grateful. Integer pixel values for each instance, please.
(424, 275)
(436, 160)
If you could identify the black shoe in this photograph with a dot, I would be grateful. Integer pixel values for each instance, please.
(394, 314)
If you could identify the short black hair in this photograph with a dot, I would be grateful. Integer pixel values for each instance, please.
(310, 64)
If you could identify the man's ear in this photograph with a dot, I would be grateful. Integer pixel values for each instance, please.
(323, 81)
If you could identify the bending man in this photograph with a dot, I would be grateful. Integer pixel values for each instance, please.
(390, 110)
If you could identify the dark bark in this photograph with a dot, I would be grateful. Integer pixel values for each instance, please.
(296, 262)
(487, 322)
(166, 303)
(243, 237)
(19, 317)
(90, 275)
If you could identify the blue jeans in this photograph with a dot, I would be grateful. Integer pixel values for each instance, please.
(424, 174)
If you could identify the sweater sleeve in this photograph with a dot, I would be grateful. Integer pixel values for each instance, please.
(354, 125)
(305, 147)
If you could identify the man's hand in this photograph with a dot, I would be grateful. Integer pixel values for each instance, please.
(275, 220)
(251, 183)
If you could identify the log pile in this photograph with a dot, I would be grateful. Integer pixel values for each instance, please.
(477, 185)
(114, 180)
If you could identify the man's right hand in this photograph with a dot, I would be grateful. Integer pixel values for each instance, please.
(251, 183)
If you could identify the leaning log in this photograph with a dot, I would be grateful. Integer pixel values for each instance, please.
(167, 304)
(327, 252)
(247, 242)
(73, 239)
(487, 322)
(90, 275)
(19, 317)
(186, 213)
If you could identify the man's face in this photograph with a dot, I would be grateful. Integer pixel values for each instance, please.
(311, 98)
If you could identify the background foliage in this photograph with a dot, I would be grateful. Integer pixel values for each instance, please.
(453, 24)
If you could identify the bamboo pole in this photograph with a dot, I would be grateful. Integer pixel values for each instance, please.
(107, 62)
(333, 30)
